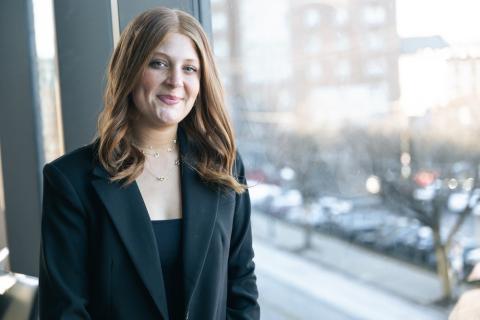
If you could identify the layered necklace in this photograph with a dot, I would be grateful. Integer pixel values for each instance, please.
(155, 153)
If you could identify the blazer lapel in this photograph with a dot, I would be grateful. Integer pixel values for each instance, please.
(130, 217)
(199, 206)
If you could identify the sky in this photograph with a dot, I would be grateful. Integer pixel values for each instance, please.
(457, 21)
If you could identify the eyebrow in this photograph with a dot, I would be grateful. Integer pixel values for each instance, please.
(159, 53)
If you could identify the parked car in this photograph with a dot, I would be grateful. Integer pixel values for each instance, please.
(471, 256)
(284, 202)
(353, 224)
(334, 205)
(262, 195)
(313, 216)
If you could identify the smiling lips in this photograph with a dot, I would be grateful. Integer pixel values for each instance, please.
(168, 99)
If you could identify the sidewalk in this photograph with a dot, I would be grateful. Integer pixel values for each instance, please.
(349, 281)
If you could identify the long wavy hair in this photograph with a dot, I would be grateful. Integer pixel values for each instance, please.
(207, 126)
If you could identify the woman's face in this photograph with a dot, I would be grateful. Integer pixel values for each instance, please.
(169, 84)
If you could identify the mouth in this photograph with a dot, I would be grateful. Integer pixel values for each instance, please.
(169, 99)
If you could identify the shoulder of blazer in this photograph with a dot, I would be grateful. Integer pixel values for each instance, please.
(77, 164)
(238, 168)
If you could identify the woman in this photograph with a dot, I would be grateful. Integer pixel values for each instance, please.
(152, 221)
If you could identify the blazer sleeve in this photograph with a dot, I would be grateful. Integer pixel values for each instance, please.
(63, 280)
(242, 287)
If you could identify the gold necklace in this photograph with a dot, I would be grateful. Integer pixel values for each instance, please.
(156, 152)
(160, 178)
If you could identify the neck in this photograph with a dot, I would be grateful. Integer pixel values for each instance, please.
(155, 138)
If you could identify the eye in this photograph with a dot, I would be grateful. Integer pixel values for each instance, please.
(158, 64)
(190, 69)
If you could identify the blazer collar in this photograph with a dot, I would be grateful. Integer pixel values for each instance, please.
(128, 212)
(200, 208)
(130, 217)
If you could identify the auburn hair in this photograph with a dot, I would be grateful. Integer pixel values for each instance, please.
(207, 126)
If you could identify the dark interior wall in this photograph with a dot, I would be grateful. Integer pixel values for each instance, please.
(200, 9)
(84, 44)
(20, 135)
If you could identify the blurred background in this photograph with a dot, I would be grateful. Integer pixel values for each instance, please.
(357, 121)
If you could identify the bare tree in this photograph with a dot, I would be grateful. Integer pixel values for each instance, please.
(379, 152)
(430, 214)
(306, 155)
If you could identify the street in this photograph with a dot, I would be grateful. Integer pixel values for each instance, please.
(336, 280)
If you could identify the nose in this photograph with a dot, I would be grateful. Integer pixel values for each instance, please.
(174, 78)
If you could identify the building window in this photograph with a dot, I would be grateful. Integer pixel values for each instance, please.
(374, 15)
(375, 68)
(221, 48)
(314, 71)
(219, 22)
(342, 42)
(313, 45)
(312, 18)
(374, 42)
(343, 69)
(341, 16)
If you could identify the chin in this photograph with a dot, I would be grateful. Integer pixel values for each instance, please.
(167, 122)
(170, 118)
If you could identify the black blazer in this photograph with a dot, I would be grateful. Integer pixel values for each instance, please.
(99, 258)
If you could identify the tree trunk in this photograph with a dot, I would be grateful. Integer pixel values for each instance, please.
(443, 267)
(308, 233)
(308, 228)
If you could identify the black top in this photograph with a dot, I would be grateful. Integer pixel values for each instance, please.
(169, 243)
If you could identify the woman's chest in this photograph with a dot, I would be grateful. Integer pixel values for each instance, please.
(162, 199)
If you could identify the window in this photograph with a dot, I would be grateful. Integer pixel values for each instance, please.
(3, 237)
(343, 69)
(221, 47)
(312, 18)
(375, 68)
(219, 22)
(374, 41)
(374, 15)
(341, 16)
(346, 142)
(313, 45)
(342, 42)
(314, 70)
(48, 79)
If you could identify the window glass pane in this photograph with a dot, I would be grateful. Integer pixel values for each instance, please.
(358, 122)
(3, 230)
(48, 79)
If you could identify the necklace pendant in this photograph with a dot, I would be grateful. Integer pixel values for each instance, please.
(161, 179)
(156, 155)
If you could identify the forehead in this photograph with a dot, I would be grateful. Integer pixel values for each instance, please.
(178, 46)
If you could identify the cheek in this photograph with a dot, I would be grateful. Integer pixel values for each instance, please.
(147, 83)
(193, 88)
(137, 97)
